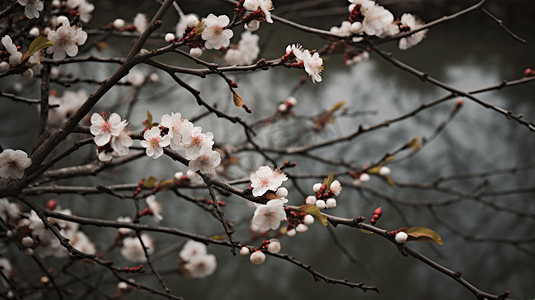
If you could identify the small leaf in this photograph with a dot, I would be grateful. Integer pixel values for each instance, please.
(199, 29)
(423, 234)
(219, 237)
(150, 182)
(149, 118)
(337, 106)
(37, 45)
(328, 181)
(238, 101)
(365, 231)
(165, 184)
(414, 143)
(374, 170)
(390, 180)
(270, 196)
(314, 211)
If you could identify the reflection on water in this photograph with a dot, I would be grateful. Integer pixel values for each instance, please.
(466, 54)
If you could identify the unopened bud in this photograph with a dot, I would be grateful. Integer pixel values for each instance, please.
(401, 237)
(258, 257)
(253, 25)
(27, 241)
(169, 37)
(118, 23)
(192, 21)
(244, 251)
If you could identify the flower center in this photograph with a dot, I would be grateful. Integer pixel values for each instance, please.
(154, 142)
(264, 181)
(204, 161)
(12, 164)
(196, 141)
(106, 127)
(218, 30)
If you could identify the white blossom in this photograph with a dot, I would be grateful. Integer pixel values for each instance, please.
(169, 37)
(265, 179)
(121, 143)
(119, 23)
(191, 249)
(321, 204)
(132, 249)
(244, 251)
(336, 187)
(68, 105)
(66, 40)
(8, 209)
(330, 203)
(82, 243)
(384, 171)
(376, 20)
(308, 220)
(234, 56)
(155, 206)
(265, 5)
(32, 7)
(344, 29)
(194, 177)
(195, 52)
(413, 23)
(313, 63)
(84, 8)
(214, 34)
(201, 266)
(103, 130)
(274, 246)
(4, 67)
(195, 140)
(183, 23)
(282, 192)
(311, 200)
(206, 162)
(401, 237)
(270, 215)
(124, 231)
(140, 22)
(154, 142)
(316, 187)
(364, 177)
(301, 228)
(135, 78)
(178, 128)
(253, 25)
(13, 163)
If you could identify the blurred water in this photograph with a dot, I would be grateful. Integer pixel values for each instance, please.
(470, 53)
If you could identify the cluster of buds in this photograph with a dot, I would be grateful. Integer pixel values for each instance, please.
(297, 222)
(355, 15)
(359, 177)
(287, 164)
(211, 202)
(529, 72)
(287, 105)
(27, 242)
(134, 269)
(377, 213)
(257, 255)
(146, 212)
(324, 198)
(140, 186)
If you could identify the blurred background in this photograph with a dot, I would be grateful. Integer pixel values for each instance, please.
(468, 53)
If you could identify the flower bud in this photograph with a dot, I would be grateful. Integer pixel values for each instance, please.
(28, 74)
(118, 24)
(378, 211)
(364, 177)
(310, 200)
(291, 101)
(356, 27)
(321, 204)
(316, 187)
(253, 25)
(56, 3)
(27, 241)
(274, 246)
(45, 280)
(192, 21)
(331, 203)
(282, 108)
(308, 220)
(178, 175)
(195, 52)
(28, 252)
(169, 37)
(301, 228)
(4, 67)
(34, 31)
(384, 171)
(250, 5)
(356, 182)
(244, 251)
(282, 192)
(63, 21)
(121, 286)
(291, 233)
(401, 237)
(258, 257)
(154, 77)
(9, 234)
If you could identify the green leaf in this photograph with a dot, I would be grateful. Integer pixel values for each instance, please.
(365, 231)
(328, 181)
(414, 143)
(149, 117)
(337, 106)
(219, 237)
(165, 184)
(423, 234)
(37, 45)
(150, 182)
(199, 29)
(390, 180)
(314, 211)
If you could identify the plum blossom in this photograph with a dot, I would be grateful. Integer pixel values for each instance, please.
(104, 130)
(195, 140)
(246, 52)
(313, 63)
(191, 249)
(265, 5)
(270, 215)
(82, 243)
(13, 163)
(178, 127)
(206, 162)
(194, 177)
(32, 7)
(84, 8)
(124, 231)
(265, 179)
(336, 187)
(214, 34)
(201, 266)
(121, 143)
(132, 249)
(184, 22)
(140, 22)
(15, 57)
(155, 206)
(258, 257)
(68, 105)
(274, 246)
(9, 210)
(344, 29)
(376, 20)
(412, 22)
(154, 142)
(66, 39)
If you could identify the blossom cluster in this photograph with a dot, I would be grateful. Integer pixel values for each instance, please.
(68, 105)
(13, 163)
(12, 58)
(369, 18)
(246, 51)
(257, 255)
(195, 261)
(132, 249)
(324, 197)
(66, 39)
(311, 62)
(112, 136)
